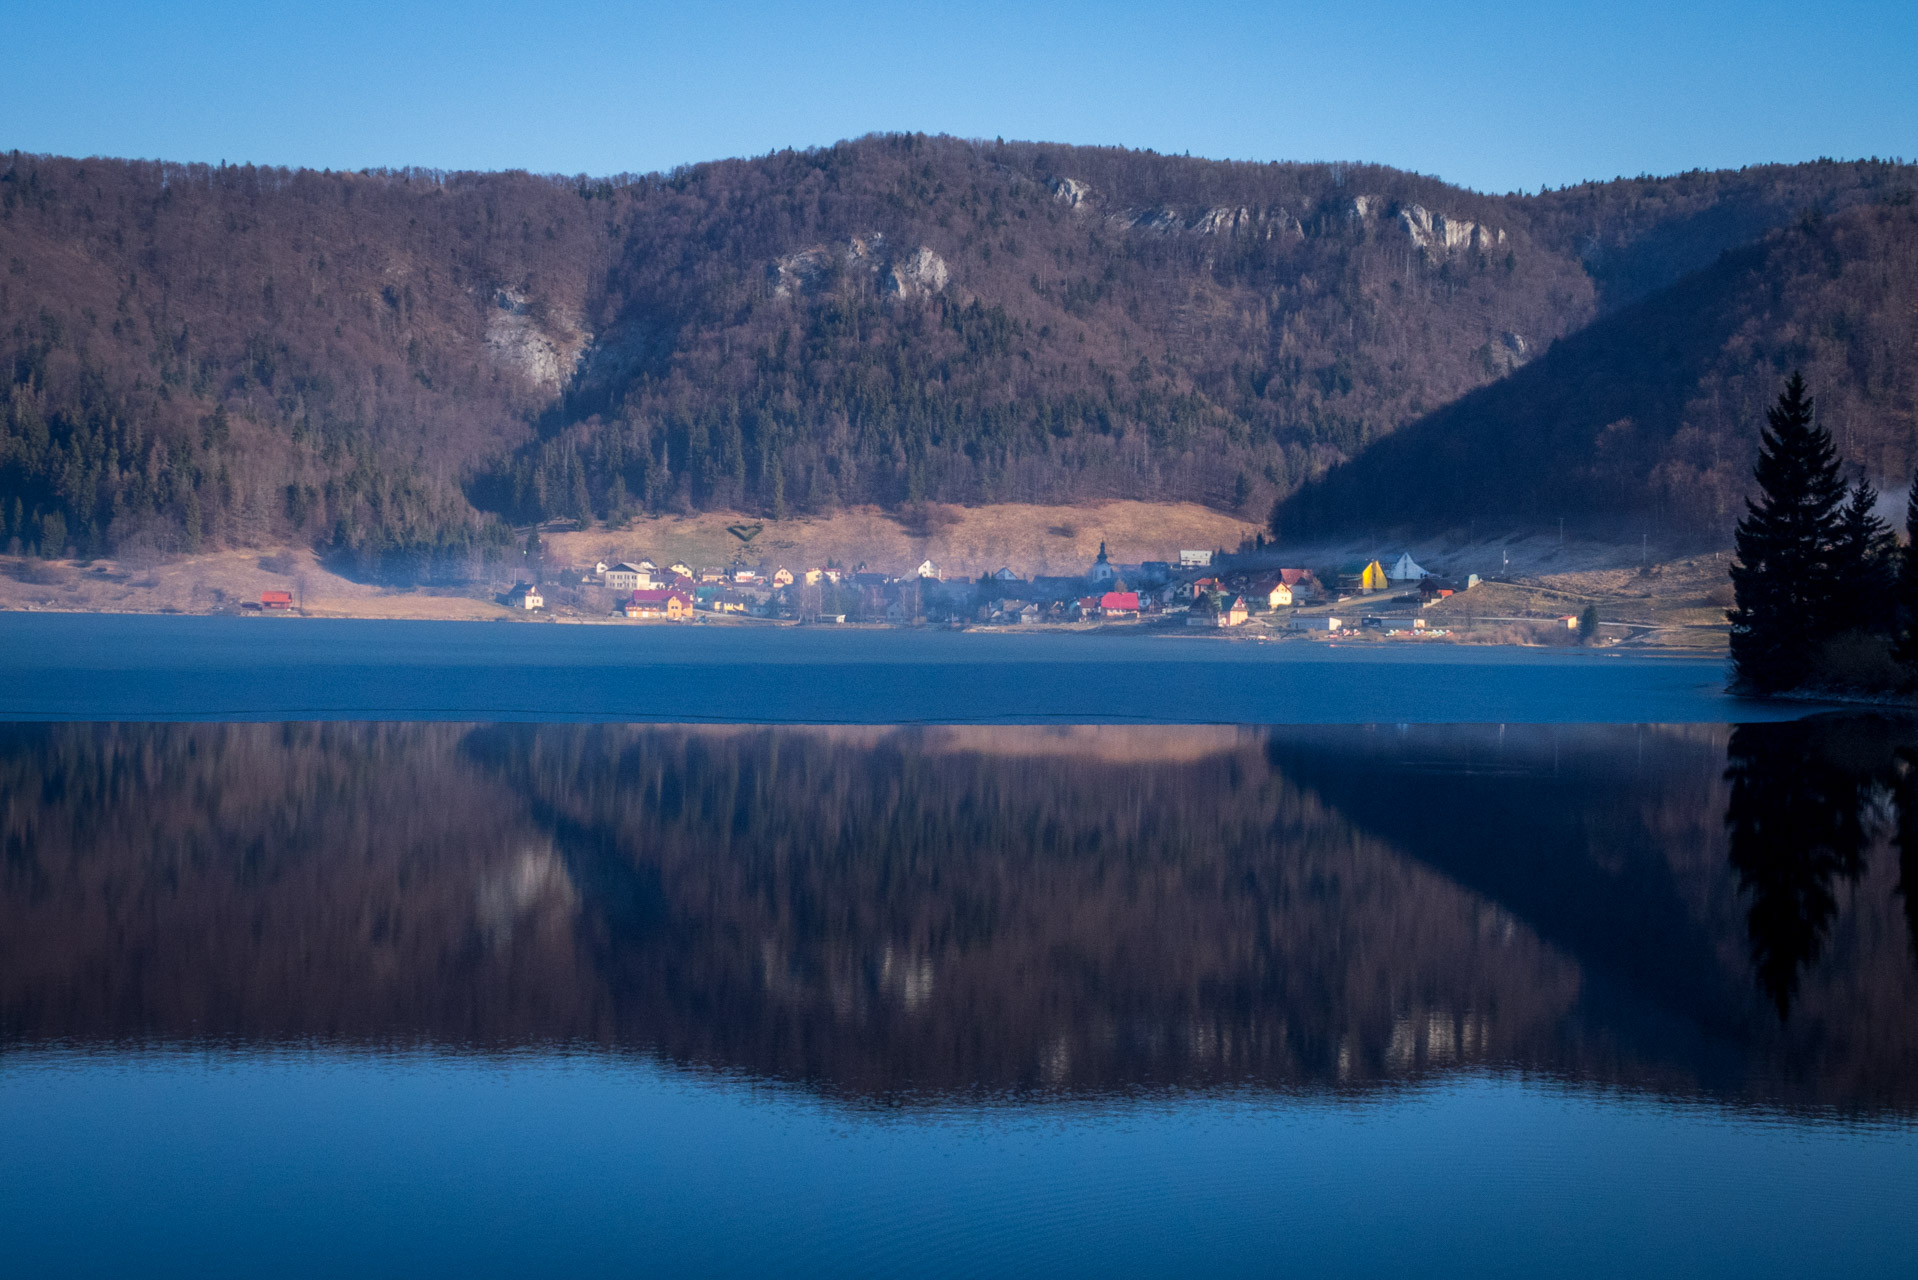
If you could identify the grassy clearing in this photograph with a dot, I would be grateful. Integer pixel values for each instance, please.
(961, 541)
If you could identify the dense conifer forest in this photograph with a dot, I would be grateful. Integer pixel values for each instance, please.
(399, 366)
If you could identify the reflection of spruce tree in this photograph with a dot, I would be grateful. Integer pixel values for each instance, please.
(1783, 577)
(1795, 826)
(1906, 772)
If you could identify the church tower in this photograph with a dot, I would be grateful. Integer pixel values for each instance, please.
(1102, 570)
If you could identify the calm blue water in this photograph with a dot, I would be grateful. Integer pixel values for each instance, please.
(315, 1163)
(91, 666)
(1543, 967)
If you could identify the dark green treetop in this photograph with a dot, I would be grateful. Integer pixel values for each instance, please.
(1783, 582)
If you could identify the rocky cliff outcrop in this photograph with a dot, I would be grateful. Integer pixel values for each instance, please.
(917, 272)
(531, 343)
(1071, 192)
(921, 273)
(1442, 234)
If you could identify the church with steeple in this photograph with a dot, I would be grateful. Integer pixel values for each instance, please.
(1102, 574)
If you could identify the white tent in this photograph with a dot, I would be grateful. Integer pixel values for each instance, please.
(1406, 570)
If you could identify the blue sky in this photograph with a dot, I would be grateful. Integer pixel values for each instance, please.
(1496, 97)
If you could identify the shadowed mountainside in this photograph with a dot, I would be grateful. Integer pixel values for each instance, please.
(1652, 410)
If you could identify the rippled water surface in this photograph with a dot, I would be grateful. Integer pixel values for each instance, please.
(501, 999)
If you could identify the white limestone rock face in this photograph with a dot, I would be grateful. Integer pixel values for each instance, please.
(1071, 192)
(1164, 221)
(865, 253)
(800, 272)
(868, 259)
(1214, 222)
(1440, 233)
(545, 354)
(1224, 220)
(920, 274)
(1507, 352)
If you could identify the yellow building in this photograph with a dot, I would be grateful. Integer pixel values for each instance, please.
(659, 604)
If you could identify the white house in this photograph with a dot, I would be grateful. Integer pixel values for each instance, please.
(627, 577)
(525, 595)
(1195, 559)
(927, 569)
(1405, 569)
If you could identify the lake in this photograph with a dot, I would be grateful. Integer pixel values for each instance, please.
(131, 667)
(559, 993)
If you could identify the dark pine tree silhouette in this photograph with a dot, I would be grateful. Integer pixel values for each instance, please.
(1907, 591)
(1795, 821)
(1783, 580)
(1865, 564)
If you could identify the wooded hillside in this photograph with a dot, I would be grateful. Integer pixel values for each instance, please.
(1653, 412)
(394, 365)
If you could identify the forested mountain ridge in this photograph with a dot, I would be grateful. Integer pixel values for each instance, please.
(390, 363)
(1651, 412)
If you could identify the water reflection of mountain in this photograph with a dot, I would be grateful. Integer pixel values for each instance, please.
(930, 911)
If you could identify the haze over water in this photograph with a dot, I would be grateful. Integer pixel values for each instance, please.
(499, 998)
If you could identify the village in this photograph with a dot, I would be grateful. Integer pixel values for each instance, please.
(1206, 590)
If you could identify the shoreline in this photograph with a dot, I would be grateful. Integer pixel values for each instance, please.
(1254, 633)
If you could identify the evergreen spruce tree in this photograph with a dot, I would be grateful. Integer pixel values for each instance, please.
(1864, 567)
(1782, 581)
(1907, 592)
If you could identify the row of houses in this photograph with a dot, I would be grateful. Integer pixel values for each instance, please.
(644, 575)
(1207, 592)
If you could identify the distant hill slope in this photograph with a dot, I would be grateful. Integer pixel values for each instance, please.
(1653, 411)
(383, 362)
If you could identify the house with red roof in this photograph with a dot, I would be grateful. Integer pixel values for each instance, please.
(660, 602)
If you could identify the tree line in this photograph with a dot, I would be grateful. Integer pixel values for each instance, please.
(1824, 596)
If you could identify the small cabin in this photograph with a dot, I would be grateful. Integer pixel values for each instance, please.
(276, 600)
